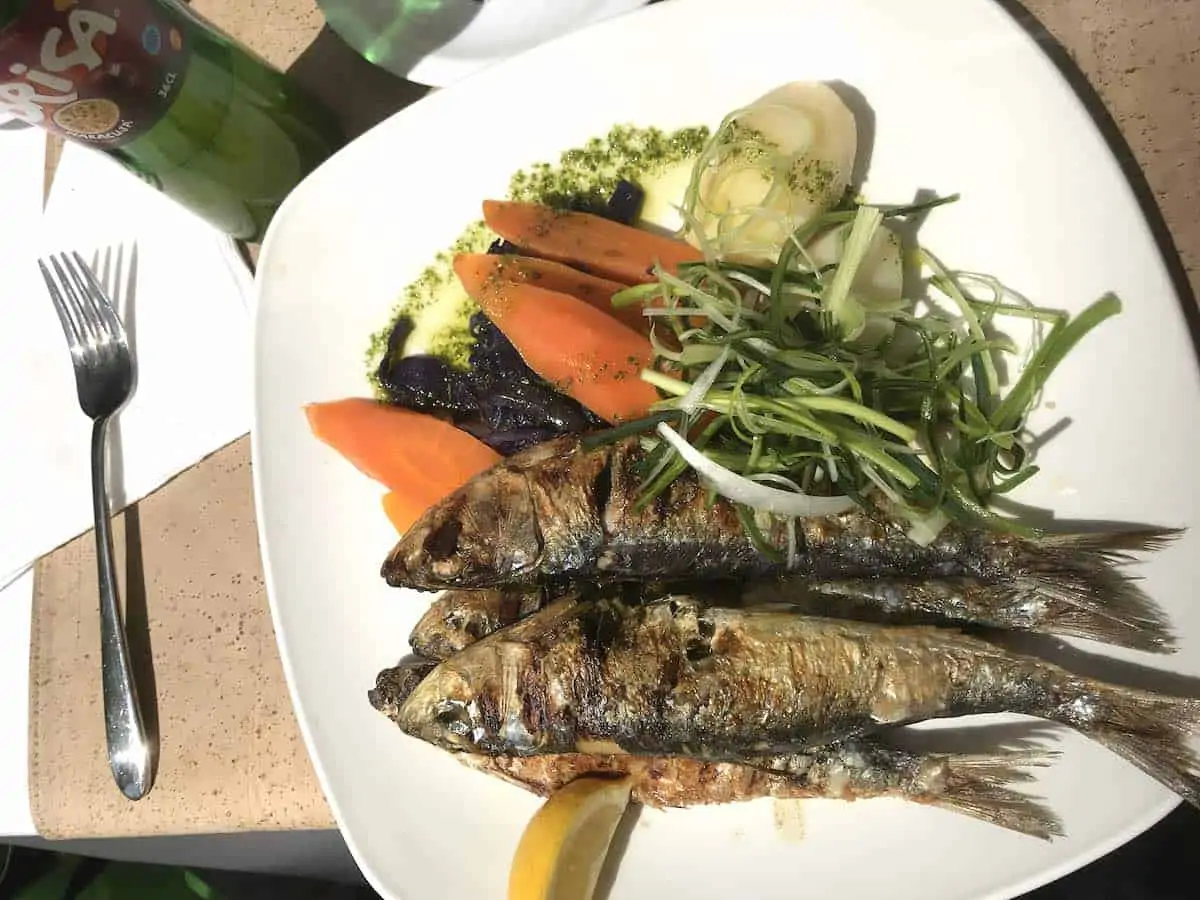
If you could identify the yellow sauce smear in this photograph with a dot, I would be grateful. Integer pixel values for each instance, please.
(789, 820)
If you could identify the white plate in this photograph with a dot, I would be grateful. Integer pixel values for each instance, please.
(964, 101)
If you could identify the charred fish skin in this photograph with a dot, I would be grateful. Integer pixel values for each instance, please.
(677, 678)
(486, 534)
(1020, 603)
(975, 785)
(394, 685)
(864, 544)
(558, 510)
(459, 618)
(679, 535)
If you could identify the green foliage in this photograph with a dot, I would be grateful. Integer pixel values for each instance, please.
(44, 875)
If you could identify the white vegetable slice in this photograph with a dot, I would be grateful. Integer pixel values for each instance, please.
(699, 389)
(879, 281)
(750, 493)
(779, 162)
(812, 124)
(924, 531)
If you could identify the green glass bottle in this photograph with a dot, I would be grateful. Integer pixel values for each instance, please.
(163, 92)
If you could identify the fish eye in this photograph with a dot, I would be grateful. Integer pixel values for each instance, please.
(697, 650)
(442, 542)
(453, 717)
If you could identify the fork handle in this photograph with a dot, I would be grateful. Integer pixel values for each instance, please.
(129, 750)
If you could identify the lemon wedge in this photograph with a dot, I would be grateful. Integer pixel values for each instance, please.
(564, 845)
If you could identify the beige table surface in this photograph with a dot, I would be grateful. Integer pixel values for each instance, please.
(232, 755)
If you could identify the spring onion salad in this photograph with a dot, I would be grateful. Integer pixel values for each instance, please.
(798, 375)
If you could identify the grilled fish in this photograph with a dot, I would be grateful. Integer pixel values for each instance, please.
(394, 684)
(676, 677)
(558, 510)
(972, 784)
(975, 785)
(1021, 603)
(459, 618)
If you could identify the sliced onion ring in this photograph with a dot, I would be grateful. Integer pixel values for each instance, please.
(750, 493)
(689, 401)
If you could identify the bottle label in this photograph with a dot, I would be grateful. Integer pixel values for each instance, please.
(97, 71)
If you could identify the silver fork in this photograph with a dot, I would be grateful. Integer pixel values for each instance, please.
(104, 379)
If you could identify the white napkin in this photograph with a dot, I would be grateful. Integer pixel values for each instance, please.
(190, 329)
(16, 613)
(22, 155)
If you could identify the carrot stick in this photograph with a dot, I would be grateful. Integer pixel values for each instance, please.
(481, 272)
(408, 452)
(587, 242)
(404, 507)
(583, 352)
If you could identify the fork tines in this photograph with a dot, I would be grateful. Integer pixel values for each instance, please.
(87, 316)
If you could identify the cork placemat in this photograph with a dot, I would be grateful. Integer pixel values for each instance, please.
(231, 755)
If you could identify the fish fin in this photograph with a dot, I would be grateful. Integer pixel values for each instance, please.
(1106, 607)
(1082, 570)
(1114, 546)
(1150, 730)
(977, 785)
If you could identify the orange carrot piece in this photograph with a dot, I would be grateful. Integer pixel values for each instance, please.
(587, 242)
(584, 353)
(404, 507)
(477, 270)
(408, 452)
(481, 272)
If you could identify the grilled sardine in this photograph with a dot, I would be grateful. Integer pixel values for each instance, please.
(1124, 618)
(675, 677)
(975, 785)
(972, 784)
(459, 618)
(394, 684)
(559, 511)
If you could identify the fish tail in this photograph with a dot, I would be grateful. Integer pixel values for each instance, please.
(1150, 730)
(1095, 599)
(1116, 547)
(1106, 607)
(977, 785)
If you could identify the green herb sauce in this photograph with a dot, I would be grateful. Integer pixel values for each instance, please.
(436, 303)
(745, 144)
(812, 176)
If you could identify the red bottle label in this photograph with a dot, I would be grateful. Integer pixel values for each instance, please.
(96, 71)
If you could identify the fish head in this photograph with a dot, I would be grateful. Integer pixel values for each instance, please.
(484, 534)
(441, 710)
(472, 702)
(394, 685)
(492, 696)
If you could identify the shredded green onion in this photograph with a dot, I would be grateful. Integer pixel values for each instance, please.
(773, 363)
(846, 315)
